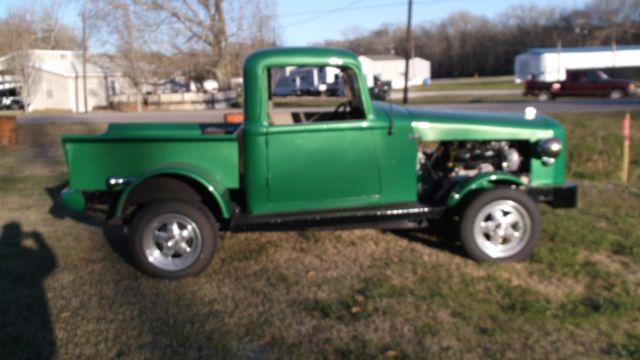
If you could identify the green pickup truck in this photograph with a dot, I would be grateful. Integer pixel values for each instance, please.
(361, 163)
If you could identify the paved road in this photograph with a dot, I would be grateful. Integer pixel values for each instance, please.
(582, 105)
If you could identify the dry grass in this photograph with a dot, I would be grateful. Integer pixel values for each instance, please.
(342, 294)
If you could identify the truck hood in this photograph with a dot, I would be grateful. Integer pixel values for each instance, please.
(444, 125)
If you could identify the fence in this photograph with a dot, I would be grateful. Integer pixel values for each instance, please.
(179, 101)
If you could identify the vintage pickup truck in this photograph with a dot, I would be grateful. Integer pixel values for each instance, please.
(581, 83)
(362, 164)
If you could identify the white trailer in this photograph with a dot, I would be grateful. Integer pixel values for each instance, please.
(551, 64)
(390, 67)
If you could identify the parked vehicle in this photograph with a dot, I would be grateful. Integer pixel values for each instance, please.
(380, 89)
(305, 81)
(581, 83)
(11, 103)
(364, 164)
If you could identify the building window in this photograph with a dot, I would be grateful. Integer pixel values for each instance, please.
(49, 89)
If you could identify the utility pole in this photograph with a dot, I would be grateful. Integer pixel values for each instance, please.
(407, 56)
(84, 56)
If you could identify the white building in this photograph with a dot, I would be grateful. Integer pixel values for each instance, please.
(58, 81)
(551, 64)
(391, 67)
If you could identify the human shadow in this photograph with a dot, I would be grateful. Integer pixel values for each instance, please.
(25, 324)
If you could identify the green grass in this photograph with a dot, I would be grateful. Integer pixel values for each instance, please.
(480, 83)
(67, 289)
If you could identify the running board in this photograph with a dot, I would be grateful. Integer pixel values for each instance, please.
(375, 217)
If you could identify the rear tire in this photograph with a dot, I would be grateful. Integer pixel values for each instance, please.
(173, 239)
(500, 225)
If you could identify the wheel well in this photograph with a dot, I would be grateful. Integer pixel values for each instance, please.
(468, 197)
(165, 187)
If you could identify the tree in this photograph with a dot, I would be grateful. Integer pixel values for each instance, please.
(27, 29)
(220, 30)
(124, 29)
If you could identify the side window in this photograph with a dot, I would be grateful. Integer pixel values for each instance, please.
(593, 76)
(299, 95)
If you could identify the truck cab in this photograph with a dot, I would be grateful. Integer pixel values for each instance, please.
(352, 162)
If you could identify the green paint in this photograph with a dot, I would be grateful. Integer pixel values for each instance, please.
(207, 181)
(72, 200)
(480, 182)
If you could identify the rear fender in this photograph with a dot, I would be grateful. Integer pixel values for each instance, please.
(213, 187)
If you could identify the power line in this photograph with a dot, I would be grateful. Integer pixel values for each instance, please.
(323, 14)
(349, 7)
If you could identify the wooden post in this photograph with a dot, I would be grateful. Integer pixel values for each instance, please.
(408, 55)
(8, 132)
(626, 147)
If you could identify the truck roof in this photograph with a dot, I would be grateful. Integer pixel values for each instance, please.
(301, 56)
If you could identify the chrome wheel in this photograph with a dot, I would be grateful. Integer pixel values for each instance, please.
(501, 228)
(172, 242)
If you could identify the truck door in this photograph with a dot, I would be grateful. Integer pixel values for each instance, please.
(323, 156)
(577, 83)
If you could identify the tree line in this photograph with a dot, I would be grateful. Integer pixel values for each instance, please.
(464, 44)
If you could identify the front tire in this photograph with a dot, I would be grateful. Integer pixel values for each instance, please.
(501, 225)
(545, 95)
(173, 239)
(617, 94)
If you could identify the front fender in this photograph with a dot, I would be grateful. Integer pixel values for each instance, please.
(213, 186)
(479, 182)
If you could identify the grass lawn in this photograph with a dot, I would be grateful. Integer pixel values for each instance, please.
(480, 83)
(67, 290)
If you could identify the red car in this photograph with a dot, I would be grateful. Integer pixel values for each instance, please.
(581, 83)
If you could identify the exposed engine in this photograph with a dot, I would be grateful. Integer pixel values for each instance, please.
(469, 158)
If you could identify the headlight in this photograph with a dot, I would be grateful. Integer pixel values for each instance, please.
(550, 148)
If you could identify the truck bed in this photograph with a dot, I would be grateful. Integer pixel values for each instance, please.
(131, 150)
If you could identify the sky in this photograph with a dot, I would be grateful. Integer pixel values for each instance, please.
(304, 22)
(310, 22)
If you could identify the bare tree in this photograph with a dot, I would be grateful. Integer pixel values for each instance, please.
(27, 29)
(196, 22)
(123, 28)
(219, 31)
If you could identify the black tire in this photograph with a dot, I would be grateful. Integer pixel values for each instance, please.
(545, 95)
(617, 94)
(155, 217)
(508, 203)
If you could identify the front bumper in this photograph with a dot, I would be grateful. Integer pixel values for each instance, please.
(565, 196)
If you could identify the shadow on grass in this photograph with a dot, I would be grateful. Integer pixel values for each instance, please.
(432, 239)
(25, 322)
(113, 234)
